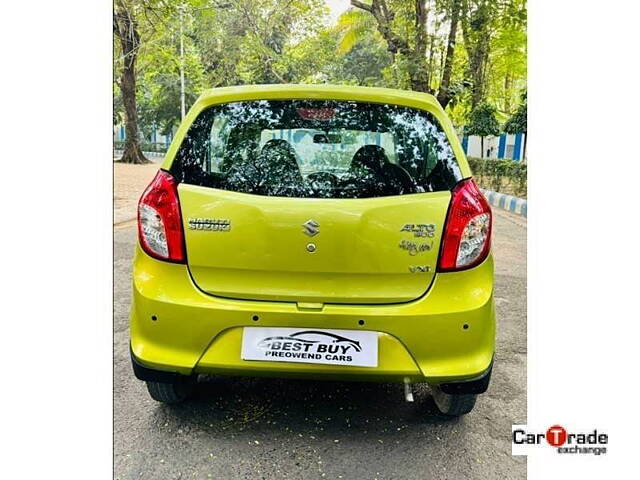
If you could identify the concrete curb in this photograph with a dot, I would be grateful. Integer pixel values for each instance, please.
(507, 202)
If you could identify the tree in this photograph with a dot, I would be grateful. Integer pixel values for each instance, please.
(403, 25)
(476, 28)
(256, 42)
(159, 85)
(423, 37)
(465, 52)
(125, 27)
(364, 64)
(518, 122)
(446, 92)
(482, 21)
(483, 123)
(508, 68)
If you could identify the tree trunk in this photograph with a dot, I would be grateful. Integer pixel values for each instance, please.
(507, 90)
(418, 67)
(430, 56)
(126, 29)
(477, 36)
(444, 93)
(481, 147)
(477, 64)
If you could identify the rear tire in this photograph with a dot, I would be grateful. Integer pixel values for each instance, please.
(453, 405)
(170, 393)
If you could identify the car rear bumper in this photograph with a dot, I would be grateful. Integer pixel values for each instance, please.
(444, 337)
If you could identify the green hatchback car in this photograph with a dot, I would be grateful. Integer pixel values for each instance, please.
(318, 232)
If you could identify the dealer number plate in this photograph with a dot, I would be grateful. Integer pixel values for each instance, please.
(309, 345)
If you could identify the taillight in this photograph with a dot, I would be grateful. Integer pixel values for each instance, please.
(466, 239)
(159, 220)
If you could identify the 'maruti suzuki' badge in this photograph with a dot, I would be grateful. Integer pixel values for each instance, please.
(211, 224)
(311, 227)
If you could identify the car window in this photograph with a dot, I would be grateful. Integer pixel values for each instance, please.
(317, 149)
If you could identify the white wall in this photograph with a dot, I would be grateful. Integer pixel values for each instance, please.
(473, 148)
(492, 143)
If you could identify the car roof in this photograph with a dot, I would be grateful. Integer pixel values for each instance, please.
(317, 91)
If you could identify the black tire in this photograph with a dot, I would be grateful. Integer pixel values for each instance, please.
(170, 393)
(453, 405)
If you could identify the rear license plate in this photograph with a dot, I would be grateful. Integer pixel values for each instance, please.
(311, 345)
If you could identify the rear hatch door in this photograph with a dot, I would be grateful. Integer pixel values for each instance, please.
(373, 250)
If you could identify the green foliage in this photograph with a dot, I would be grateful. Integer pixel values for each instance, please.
(159, 83)
(271, 41)
(508, 73)
(483, 121)
(504, 176)
(518, 121)
(355, 27)
(291, 41)
(366, 63)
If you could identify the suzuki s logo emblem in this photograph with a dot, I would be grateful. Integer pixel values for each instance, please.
(311, 228)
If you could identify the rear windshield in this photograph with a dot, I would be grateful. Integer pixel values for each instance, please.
(316, 149)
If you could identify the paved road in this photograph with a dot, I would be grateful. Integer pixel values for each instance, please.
(272, 429)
